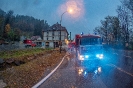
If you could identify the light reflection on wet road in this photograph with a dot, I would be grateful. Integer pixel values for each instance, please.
(70, 75)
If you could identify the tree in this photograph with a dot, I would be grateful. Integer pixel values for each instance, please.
(11, 35)
(99, 30)
(46, 26)
(17, 32)
(11, 25)
(1, 26)
(9, 17)
(38, 29)
(118, 28)
(7, 23)
(109, 30)
(125, 21)
(40, 26)
(6, 31)
(128, 4)
(7, 28)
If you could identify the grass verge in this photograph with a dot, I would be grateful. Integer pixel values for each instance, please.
(28, 74)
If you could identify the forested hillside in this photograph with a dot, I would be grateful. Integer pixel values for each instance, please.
(13, 26)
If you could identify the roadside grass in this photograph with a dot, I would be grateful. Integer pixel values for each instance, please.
(28, 74)
(21, 53)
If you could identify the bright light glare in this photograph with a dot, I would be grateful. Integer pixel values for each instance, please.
(80, 71)
(99, 69)
(86, 56)
(75, 8)
(97, 55)
(95, 71)
(70, 11)
(81, 57)
(85, 73)
(100, 56)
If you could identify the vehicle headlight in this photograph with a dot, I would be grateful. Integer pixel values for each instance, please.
(86, 56)
(80, 71)
(81, 57)
(100, 56)
(99, 69)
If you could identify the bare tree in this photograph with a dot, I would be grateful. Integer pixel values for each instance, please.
(124, 17)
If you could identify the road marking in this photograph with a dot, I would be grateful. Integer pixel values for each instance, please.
(44, 79)
(127, 56)
(120, 69)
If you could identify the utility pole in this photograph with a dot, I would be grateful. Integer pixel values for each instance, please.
(60, 43)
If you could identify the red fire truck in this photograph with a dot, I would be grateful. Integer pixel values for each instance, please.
(89, 51)
(29, 43)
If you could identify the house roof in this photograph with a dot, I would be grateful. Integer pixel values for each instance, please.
(57, 27)
(36, 38)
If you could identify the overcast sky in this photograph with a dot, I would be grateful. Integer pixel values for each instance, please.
(86, 14)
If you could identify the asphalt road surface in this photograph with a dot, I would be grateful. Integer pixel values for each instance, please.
(111, 73)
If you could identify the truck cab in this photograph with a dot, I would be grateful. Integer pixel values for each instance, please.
(89, 51)
(90, 47)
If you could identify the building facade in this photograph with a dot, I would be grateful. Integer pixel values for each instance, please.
(51, 37)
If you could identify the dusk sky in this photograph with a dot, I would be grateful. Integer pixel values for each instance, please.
(85, 16)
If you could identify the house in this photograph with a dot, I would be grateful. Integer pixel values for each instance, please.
(36, 38)
(51, 37)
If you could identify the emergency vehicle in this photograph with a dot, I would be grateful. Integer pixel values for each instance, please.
(71, 45)
(89, 52)
(29, 43)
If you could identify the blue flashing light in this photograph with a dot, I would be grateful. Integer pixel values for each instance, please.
(85, 73)
(82, 33)
(95, 71)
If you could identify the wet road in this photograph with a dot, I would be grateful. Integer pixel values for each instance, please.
(111, 73)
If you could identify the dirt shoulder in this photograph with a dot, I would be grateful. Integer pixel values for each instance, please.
(28, 74)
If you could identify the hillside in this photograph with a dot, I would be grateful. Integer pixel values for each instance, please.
(13, 26)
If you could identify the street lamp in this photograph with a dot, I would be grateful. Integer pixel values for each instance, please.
(69, 11)
(60, 31)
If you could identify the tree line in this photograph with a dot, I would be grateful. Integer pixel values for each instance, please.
(117, 30)
(13, 26)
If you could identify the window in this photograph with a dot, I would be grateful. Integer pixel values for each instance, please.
(90, 41)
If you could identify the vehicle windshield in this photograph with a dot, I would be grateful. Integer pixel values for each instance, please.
(90, 41)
